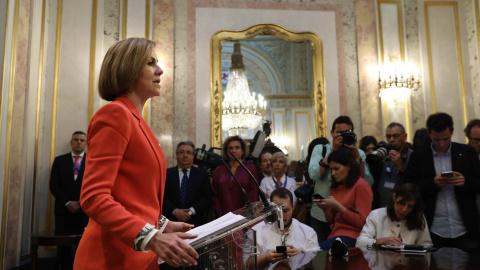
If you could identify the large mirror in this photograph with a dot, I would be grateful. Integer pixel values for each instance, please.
(286, 68)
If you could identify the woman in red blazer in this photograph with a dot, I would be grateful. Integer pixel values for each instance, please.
(124, 176)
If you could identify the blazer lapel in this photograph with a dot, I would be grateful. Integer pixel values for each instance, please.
(146, 131)
(456, 159)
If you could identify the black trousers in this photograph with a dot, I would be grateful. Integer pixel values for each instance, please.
(464, 242)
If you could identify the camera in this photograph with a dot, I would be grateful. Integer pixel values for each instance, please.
(207, 160)
(380, 154)
(348, 137)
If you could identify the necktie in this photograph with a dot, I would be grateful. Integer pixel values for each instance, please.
(76, 166)
(183, 187)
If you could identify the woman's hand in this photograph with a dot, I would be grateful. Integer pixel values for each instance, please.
(173, 226)
(391, 241)
(172, 249)
(332, 203)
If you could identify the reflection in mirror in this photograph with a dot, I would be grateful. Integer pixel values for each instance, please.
(286, 68)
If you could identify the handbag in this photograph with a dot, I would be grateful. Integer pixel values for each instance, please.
(305, 191)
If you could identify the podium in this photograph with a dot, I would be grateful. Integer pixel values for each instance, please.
(235, 248)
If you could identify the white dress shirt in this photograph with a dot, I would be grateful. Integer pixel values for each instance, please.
(299, 235)
(268, 185)
(378, 225)
(447, 221)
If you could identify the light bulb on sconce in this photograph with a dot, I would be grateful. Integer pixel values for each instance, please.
(398, 80)
(281, 142)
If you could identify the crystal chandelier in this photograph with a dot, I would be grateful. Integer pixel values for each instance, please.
(242, 110)
(397, 81)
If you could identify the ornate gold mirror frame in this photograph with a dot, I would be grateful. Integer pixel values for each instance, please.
(249, 33)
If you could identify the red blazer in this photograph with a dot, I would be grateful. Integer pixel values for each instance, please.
(122, 188)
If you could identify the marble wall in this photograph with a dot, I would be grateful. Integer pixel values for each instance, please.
(51, 67)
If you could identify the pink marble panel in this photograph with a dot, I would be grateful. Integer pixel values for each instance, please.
(193, 4)
(368, 68)
(15, 192)
(162, 106)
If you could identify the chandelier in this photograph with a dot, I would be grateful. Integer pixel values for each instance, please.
(242, 110)
(397, 81)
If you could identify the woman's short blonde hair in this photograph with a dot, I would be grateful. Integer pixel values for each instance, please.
(122, 65)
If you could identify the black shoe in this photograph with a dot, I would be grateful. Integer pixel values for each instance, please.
(338, 248)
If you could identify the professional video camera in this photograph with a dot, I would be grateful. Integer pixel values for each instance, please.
(348, 137)
(207, 160)
(380, 154)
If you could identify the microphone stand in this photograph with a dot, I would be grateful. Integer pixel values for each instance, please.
(266, 205)
(250, 207)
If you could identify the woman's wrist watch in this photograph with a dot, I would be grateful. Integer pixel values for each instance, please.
(374, 243)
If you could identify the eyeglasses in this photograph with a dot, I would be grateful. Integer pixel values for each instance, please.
(395, 136)
(188, 153)
(283, 238)
(475, 140)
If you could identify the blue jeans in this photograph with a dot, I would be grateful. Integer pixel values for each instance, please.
(350, 242)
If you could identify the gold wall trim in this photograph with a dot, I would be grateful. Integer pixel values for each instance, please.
(296, 130)
(459, 56)
(407, 120)
(398, 3)
(477, 21)
(268, 97)
(147, 36)
(37, 118)
(124, 19)
(429, 52)
(264, 29)
(147, 19)
(54, 102)
(93, 43)
(385, 112)
(9, 128)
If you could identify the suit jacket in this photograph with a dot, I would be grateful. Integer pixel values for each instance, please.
(421, 171)
(199, 195)
(63, 185)
(122, 189)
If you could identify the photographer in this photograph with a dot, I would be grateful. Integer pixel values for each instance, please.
(320, 172)
(387, 161)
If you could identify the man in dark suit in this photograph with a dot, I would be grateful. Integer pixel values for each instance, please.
(448, 175)
(188, 192)
(65, 184)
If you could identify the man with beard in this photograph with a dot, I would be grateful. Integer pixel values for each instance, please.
(264, 165)
(298, 238)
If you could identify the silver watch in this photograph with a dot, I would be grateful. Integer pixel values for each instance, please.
(190, 212)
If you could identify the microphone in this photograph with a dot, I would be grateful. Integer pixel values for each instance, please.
(247, 200)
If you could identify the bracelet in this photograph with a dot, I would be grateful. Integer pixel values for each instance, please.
(323, 164)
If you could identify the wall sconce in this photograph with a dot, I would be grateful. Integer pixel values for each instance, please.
(397, 81)
(281, 142)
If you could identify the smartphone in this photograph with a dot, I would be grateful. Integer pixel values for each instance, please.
(281, 249)
(317, 197)
(447, 174)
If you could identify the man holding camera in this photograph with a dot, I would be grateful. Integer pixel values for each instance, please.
(448, 175)
(296, 240)
(319, 171)
(387, 161)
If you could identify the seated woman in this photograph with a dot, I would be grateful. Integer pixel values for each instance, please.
(350, 199)
(279, 177)
(401, 222)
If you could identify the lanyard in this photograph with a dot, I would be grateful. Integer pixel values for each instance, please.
(276, 184)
